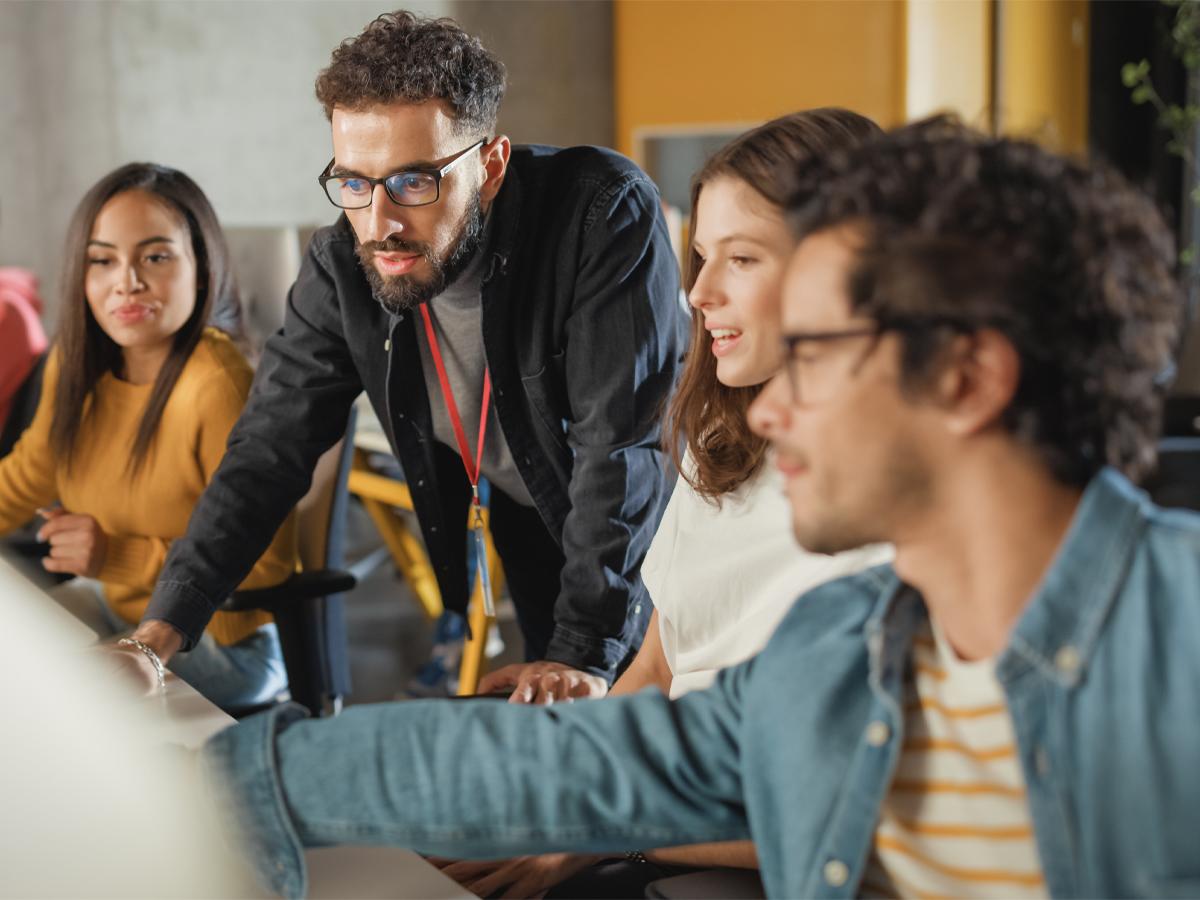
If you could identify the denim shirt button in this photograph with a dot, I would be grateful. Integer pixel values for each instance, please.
(878, 733)
(1066, 660)
(836, 873)
(1041, 761)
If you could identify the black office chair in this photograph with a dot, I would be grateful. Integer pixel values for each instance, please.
(309, 607)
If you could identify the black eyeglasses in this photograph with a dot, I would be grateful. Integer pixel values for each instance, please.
(414, 187)
(815, 376)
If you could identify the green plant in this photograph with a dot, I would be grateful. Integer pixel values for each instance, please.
(1178, 120)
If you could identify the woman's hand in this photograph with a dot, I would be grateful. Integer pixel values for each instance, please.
(132, 668)
(524, 876)
(78, 545)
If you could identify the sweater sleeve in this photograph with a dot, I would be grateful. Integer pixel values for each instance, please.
(28, 475)
(224, 397)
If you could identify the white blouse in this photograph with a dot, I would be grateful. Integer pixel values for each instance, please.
(722, 578)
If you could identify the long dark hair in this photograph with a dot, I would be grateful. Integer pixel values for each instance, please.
(86, 353)
(708, 417)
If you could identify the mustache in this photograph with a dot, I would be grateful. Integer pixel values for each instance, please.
(394, 245)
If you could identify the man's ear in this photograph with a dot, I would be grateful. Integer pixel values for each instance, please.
(495, 164)
(979, 379)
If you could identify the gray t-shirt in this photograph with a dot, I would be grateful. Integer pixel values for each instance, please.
(457, 315)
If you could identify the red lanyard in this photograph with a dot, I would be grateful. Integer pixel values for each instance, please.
(452, 409)
(473, 471)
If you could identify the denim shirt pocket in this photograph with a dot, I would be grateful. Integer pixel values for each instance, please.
(547, 396)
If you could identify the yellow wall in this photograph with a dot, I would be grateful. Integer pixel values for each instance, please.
(1042, 78)
(695, 62)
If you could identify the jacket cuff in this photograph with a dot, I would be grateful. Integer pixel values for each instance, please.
(594, 655)
(240, 767)
(183, 608)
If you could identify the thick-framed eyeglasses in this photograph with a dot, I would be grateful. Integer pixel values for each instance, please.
(815, 371)
(412, 187)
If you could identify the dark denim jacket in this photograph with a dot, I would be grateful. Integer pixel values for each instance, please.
(583, 334)
(1101, 674)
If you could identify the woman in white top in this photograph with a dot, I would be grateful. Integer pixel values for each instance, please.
(723, 568)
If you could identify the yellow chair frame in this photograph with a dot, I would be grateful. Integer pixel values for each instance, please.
(383, 497)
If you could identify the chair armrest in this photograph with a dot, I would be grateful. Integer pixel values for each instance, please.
(301, 586)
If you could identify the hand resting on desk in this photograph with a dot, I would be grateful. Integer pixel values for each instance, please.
(543, 683)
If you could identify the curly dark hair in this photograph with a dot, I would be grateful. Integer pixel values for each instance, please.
(404, 58)
(964, 231)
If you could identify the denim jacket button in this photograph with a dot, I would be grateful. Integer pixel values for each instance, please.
(1066, 660)
(878, 733)
(836, 873)
(1041, 761)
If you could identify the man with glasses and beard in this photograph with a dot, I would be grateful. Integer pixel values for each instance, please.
(512, 313)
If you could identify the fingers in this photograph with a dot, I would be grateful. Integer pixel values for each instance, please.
(526, 689)
(64, 522)
(70, 552)
(500, 679)
(585, 686)
(63, 567)
(544, 872)
(551, 688)
(69, 541)
(523, 888)
(462, 870)
(489, 884)
(482, 877)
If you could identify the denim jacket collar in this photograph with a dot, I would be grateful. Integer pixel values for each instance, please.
(1060, 627)
(1057, 632)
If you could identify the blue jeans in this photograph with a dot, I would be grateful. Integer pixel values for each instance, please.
(235, 677)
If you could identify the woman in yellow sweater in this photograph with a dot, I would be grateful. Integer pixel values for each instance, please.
(138, 399)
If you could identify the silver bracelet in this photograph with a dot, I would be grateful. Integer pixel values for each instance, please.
(636, 856)
(159, 669)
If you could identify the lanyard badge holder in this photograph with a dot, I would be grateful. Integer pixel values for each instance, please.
(473, 471)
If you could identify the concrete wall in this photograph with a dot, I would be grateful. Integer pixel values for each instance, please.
(223, 90)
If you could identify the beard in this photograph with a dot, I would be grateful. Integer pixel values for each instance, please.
(397, 293)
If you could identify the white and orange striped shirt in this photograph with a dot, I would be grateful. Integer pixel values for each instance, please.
(956, 821)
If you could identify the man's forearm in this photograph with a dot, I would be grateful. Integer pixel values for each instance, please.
(616, 793)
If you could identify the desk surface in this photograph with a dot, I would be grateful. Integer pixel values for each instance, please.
(183, 716)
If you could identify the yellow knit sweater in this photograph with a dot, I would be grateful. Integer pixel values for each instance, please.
(141, 516)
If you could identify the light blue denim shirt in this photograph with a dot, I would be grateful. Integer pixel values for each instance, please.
(1102, 676)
